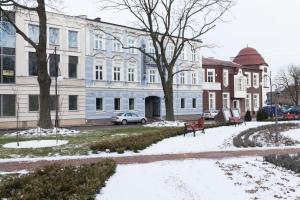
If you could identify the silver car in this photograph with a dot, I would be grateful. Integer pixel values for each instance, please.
(128, 117)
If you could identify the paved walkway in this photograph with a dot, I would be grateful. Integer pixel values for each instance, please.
(32, 165)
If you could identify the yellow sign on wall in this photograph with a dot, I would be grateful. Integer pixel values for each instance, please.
(8, 73)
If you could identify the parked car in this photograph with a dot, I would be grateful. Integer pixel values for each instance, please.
(293, 110)
(128, 117)
(271, 111)
(210, 114)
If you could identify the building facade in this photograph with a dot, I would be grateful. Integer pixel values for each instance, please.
(241, 83)
(19, 88)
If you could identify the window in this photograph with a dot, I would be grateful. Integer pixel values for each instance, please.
(33, 103)
(194, 102)
(225, 77)
(52, 102)
(182, 103)
(54, 63)
(211, 75)
(240, 84)
(33, 64)
(8, 35)
(117, 73)
(53, 36)
(151, 48)
(255, 102)
(7, 66)
(152, 76)
(7, 105)
(99, 104)
(99, 72)
(248, 102)
(212, 101)
(194, 55)
(183, 54)
(266, 81)
(73, 39)
(182, 78)
(248, 79)
(131, 103)
(34, 32)
(194, 78)
(117, 45)
(131, 74)
(117, 104)
(170, 52)
(73, 102)
(99, 42)
(255, 80)
(226, 100)
(131, 43)
(73, 61)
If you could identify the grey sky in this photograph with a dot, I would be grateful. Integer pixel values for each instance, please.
(267, 25)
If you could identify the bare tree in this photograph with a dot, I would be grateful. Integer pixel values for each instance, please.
(290, 80)
(175, 23)
(7, 9)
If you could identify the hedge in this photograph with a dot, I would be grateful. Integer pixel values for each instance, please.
(290, 162)
(57, 182)
(136, 142)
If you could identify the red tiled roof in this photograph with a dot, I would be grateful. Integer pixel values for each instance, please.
(249, 57)
(216, 62)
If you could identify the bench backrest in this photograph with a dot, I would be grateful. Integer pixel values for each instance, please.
(201, 122)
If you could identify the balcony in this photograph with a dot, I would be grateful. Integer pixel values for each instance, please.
(211, 86)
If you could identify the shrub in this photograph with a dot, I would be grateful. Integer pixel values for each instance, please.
(57, 182)
(290, 162)
(136, 142)
(261, 115)
(248, 116)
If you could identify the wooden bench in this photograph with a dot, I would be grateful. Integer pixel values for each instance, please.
(194, 126)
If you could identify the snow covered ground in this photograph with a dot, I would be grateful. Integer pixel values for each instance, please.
(293, 134)
(243, 178)
(166, 124)
(35, 144)
(44, 132)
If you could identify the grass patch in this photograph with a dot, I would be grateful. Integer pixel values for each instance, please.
(136, 142)
(78, 144)
(57, 182)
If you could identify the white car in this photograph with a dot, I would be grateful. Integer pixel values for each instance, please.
(128, 117)
(210, 114)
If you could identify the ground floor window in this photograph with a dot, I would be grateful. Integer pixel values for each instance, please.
(117, 104)
(226, 100)
(73, 102)
(33, 103)
(255, 102)
(7, 105)
(182, 103)
(194, 102)
(248, 102)
(131, 103)
(212, 101)
(99, 104)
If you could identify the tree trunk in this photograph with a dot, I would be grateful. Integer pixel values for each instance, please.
(43, 76)
(168, 90)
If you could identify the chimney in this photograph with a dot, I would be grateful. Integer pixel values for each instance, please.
(97, 19)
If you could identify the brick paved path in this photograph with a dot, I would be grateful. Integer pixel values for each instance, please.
(32, 165)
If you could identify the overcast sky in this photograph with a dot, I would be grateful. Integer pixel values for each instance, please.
(272, 27)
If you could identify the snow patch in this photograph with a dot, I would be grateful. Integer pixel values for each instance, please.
(293, 134)
(166, 124)
(35, 144)
(44, 132)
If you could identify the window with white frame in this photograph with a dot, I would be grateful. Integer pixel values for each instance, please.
(33, 32)
(99, 42)
(212, 101)
(210, 75)
(225, 77)
(117, 45)
(240, 84)
(99, 72)
(194, 54)
(170, 52)
(151, 49)
(194, 103)
(53, 36)
(194, 78)
(99, 104)
(255, 80)
(131, 43)
(255, 102)
(152, 76)
(248, 102)
(117, 104)
(248, 79)
(131, 103)
(73, 39)
(266, 81)
(182, 103)
(226, 100)
(117, 73)
(130, 74)
(182, 78)
(183, 53)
